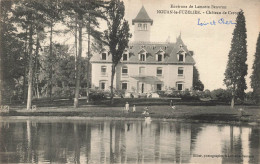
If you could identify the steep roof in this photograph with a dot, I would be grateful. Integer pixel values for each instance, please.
(142, 16)
(170, 50)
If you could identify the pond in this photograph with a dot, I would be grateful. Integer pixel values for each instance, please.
(86, 140)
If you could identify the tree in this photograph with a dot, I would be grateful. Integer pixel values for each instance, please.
(63, 79)
(255, 77)
(29, 17)
(82, 9)
(11, 46)
(236, 69)
(197, 84)
(117, 35)
(51, 11)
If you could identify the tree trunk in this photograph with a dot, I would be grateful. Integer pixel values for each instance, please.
(88, 58)
(25, 66)
(112, 83)
(233, 100)
(78, 65)
(76, 43)
(30, 74)
(36, 65)
(50, 66)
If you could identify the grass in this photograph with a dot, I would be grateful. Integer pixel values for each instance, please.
(158, 108)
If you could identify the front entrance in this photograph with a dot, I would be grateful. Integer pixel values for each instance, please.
(141, 87)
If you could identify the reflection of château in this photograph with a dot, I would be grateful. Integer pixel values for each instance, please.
(125, 142)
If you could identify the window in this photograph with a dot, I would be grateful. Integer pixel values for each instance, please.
(141, 70)
(159, 72)
(180, 87)
(159, 87)
(103, 56)
(103, 70)
(181, 57)
(145, 27)
(142, 57)
(102, 85)
(124, 70)
(139, 26)
(125, 57)
(159, 57)
(180, 71)
(124, 85)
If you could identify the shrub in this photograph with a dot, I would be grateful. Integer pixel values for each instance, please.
(161, 93)
(95, 96)
(221, 95)
(189, 96)
(119, 92)
(201, 94)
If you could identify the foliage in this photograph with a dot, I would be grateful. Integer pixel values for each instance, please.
(11, 56)
(80, 12)
(117, 36)
(221, 95)
(63, 71)
(197, 84)
(255, 77)
(96, 95)
(236, 69)
(188, 96)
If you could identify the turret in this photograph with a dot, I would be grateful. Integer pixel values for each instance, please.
(142, 26)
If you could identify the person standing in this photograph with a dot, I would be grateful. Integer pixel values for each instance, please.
(126, 106)
(134, 109)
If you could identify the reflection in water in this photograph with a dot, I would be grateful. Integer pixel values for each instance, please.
(114, 141)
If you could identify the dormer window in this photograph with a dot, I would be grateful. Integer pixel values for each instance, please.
(104, 56)
(159, 57)
(125, 57)
(142, 57)
(181, 57)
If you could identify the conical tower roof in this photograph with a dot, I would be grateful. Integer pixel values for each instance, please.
(142, 16)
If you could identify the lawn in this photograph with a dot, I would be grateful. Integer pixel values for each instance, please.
(158, 108)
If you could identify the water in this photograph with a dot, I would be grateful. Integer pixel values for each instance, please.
(122, 141)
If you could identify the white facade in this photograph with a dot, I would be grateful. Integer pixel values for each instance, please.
(143, 78)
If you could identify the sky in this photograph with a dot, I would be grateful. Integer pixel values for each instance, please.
(211, 44)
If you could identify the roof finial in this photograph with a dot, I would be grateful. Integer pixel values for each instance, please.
(180, 34)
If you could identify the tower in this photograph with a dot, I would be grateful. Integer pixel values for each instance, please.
(142, 26)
